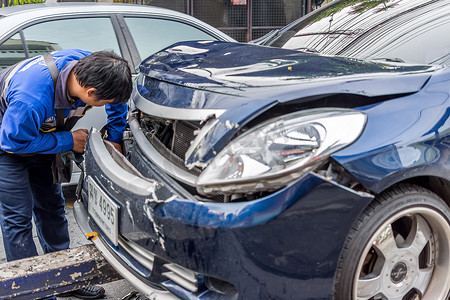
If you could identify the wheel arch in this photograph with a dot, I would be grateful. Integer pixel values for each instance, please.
(438, 185)
(434, 179)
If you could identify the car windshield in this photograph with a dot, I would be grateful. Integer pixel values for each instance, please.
(411, 31)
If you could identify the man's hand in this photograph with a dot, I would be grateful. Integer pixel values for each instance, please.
(79, 139)
(117, 146)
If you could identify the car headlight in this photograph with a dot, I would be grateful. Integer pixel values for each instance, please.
(280, 150)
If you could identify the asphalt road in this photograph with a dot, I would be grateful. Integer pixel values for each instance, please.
(114, 290)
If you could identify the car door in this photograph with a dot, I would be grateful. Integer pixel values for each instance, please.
(91, 33)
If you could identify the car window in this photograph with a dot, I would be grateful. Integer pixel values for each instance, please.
(403, 30)
(11, 52)
(91, 34)
(151, 35)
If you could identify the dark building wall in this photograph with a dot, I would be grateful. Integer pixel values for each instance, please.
(244, 20)
(247, 21)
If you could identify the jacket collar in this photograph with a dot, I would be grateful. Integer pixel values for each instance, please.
(62, 98)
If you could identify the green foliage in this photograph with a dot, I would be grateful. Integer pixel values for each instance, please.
(19, 2)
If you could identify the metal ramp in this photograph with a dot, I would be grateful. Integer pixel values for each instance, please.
(54, 273)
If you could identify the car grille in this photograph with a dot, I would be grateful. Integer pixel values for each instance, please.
(182, 276)
(171, 139)
(183, 134)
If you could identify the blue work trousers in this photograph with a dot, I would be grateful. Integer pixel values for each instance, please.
(26, 191)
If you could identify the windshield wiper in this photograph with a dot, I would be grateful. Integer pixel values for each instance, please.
(266, 38)
(334, 32)
(305, 49)
(390, 59)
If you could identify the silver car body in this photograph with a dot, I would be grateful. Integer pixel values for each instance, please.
(15, 19)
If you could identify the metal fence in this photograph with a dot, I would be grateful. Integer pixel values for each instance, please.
(244, 20)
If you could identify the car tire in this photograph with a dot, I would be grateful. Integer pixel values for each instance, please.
(398, 249)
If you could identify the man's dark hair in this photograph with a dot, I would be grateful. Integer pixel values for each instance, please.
(108, 73)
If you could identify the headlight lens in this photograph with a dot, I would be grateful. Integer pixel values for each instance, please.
(279, 150)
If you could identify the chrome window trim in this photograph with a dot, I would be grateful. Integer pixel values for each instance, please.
(13, 22)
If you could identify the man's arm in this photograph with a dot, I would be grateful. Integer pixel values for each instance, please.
(117, 120)
(20, 132)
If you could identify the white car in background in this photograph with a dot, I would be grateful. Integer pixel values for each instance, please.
(133, 31)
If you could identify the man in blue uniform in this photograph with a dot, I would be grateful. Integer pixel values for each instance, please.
(29, 141)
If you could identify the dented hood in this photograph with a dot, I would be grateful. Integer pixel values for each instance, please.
(258, 72)
(236, 82)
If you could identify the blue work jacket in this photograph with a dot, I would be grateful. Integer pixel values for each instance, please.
(29, 123)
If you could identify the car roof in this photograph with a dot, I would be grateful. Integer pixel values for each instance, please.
(14, 17)
(402, 30)
(61, 7)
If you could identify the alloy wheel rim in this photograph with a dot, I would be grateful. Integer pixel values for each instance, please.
(407, 258)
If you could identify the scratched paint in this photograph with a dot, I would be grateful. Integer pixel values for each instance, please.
(230, 125)
(200, 139)
(158, 230)
(173, 197)
(130, 214)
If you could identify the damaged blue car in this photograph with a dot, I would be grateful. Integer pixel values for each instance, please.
(252, 172)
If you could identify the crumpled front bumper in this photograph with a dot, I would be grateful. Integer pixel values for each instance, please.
(283, 246)
(82, 217)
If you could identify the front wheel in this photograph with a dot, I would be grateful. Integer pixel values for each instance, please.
(399, 249)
